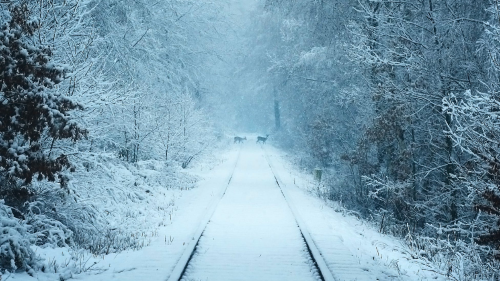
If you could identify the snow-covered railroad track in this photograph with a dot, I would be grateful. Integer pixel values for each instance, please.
(254, 233)
(316, 256)
(182, 263)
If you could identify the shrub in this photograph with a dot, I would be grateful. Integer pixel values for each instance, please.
(15, 241)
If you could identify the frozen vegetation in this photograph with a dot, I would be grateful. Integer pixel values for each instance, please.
(135, 131)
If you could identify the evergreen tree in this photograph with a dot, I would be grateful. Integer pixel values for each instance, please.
(32, 118)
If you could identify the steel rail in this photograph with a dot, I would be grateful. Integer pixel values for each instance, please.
(315, 253)
(182, 263)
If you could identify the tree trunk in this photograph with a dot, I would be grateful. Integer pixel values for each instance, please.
(277, 114)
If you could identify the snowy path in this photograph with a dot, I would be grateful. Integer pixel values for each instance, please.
(252, 234)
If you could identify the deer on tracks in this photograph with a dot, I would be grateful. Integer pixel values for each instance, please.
(262, 139)
(239, 139)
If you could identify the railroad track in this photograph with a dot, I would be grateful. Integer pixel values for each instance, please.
(181, 266)
(318, 264)
(319, 261)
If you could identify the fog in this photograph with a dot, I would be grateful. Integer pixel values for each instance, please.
(111, 110)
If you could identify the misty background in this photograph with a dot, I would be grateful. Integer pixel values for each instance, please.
(396, 102)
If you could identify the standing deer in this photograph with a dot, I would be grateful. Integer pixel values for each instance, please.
(262, 139)
(239, 139)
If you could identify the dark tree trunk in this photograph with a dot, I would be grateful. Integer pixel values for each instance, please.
(277, 114)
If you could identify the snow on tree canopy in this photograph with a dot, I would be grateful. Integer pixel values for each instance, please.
(29, 116)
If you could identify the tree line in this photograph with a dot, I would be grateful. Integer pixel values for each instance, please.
(84, 83)
(398, 101)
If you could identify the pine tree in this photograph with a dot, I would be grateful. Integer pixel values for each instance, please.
(32, 118)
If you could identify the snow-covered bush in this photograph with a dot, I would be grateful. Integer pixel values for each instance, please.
(455, 259)
(48, 231)
(109, 204)
(15, 241)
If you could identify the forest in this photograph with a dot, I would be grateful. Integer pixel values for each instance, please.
(398, 102)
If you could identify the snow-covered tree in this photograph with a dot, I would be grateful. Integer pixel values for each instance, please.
(33, 119)
(475, 132)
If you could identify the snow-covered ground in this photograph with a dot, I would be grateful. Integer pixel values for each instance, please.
(352, 248)
(166, 241)
(252, 234)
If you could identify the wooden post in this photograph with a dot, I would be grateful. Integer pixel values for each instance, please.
(317, 174)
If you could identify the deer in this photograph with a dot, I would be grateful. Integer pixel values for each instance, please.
(239, 139)
(262, 139)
